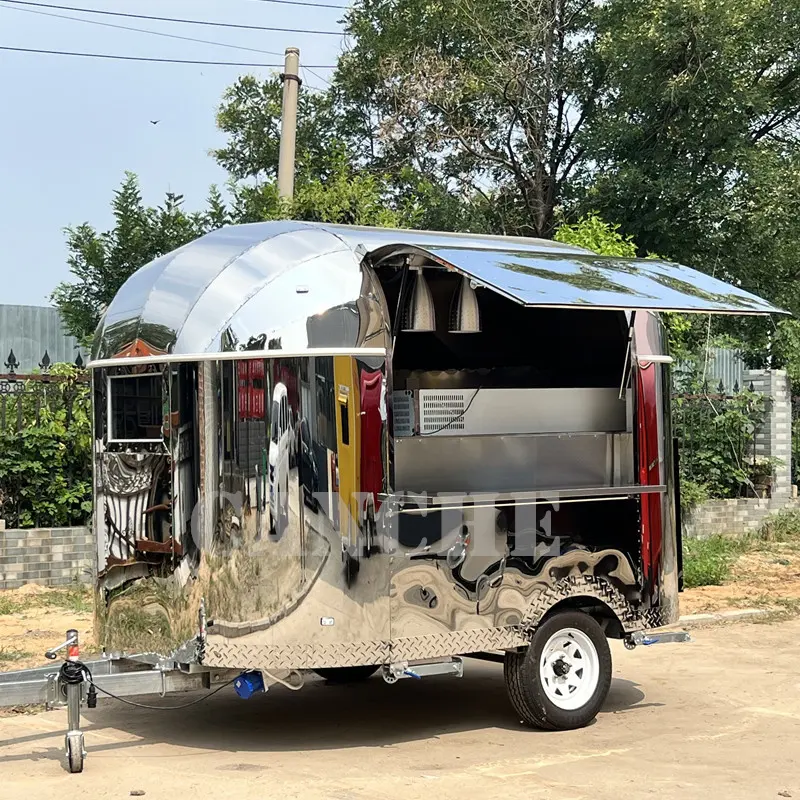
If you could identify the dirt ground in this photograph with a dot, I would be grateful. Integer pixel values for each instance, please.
(38, 621)
(767, 577)
(719, 716)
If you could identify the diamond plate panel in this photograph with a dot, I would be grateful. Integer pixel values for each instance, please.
(239, 655)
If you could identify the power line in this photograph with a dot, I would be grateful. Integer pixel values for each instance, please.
(137, 30)
(301, 3)
(181, 20)
(147, 58)
(315, 74)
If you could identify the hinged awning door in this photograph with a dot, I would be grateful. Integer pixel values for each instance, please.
(569, 280)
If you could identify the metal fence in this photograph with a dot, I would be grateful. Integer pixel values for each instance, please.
(27, 399)
(722, 368)
(716, 427)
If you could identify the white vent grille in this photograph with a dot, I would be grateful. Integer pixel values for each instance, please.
(403, 413)
(442, 411)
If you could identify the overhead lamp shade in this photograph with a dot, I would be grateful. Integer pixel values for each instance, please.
(465, 315)
(418, 313)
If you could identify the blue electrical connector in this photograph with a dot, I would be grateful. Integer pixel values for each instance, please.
(248, 684)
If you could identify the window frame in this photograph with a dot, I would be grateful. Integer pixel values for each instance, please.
(110, 409)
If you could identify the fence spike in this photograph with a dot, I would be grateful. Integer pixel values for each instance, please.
(12, 363)
(79, 361)
(721, 387)
(752, 386)
(736, 387)
(45, 363)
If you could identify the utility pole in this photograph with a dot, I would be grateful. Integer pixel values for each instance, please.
(291, 84)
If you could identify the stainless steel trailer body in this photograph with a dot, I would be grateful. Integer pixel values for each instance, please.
(341, 449)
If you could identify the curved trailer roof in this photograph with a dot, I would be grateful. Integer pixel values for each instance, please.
(298, 287)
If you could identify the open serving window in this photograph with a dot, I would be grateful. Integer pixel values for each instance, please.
(513, 370)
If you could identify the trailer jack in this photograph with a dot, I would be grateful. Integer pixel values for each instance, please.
(76, 682)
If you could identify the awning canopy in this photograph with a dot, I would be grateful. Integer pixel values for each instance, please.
(568, 280)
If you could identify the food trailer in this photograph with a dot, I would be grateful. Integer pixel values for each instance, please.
(347, 450)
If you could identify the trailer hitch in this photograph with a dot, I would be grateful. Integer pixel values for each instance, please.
(646, 638)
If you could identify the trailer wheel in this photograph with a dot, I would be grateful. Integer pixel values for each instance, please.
(346, 674)
(561, 680)
(75, 751)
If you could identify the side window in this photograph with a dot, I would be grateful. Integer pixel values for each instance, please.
(136, 407)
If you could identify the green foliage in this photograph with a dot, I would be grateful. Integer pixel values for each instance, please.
(45, 469)
(343, 196)
(715, 436)
(7, 655)
(693, 493)
(699, 90)
(708, 562)
(102, 262)
(598, 236)
(485, 98)
(9, 606)
(250, 116)
(76, 598)
(783, 526)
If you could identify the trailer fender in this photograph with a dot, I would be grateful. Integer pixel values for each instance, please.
(595, 595)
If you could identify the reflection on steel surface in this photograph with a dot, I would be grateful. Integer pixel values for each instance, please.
(559, 280)
(242, 287)
(264, 521)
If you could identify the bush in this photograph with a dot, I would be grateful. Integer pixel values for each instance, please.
(692, 495)
(46, 466)
(708, 562)
(782, 526)
(715, 436)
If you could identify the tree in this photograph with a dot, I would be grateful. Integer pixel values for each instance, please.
(666, 117)
(250, 116)
(102, 262)
(700, 99)
(488, 98)
(598, 236)
(328, 156)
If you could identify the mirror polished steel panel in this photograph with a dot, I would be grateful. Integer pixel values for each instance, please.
(561, 281)
(262, 526)
(242, 287)
(512, 463)
(256, 525)
(211, 294)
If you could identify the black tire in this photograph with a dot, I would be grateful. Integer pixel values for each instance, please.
(74, 747)
(347, 674)
(524, 677)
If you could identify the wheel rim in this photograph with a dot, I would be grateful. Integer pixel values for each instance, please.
(569, 669)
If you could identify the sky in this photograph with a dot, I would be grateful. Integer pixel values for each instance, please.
(71, 127)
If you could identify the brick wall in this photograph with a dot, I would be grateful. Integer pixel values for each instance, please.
(733, 517)
(49, 556)
(774, 438)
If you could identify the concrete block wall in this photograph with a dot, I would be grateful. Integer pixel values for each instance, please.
(774, 438)
(733, 517)
(48, 556)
